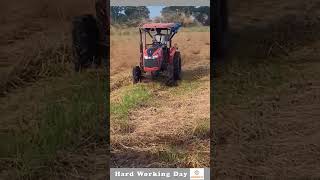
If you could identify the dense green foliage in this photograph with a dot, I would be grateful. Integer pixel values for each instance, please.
(186, 15)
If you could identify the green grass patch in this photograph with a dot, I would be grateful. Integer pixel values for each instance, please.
(70, 110)
(132, 97)
(171, 154)
(202, 128)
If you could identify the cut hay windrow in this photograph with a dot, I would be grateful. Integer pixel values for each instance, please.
(49, 62)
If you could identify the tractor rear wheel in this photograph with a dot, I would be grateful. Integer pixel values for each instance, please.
(170, 75)
(136, 75)
(177, 67)
(174, 70)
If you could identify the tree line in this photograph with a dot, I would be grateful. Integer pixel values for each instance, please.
(186, 15)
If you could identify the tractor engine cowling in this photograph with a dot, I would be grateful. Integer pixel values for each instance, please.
(151, 59)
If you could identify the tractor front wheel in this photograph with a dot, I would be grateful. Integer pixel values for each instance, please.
(170, 77)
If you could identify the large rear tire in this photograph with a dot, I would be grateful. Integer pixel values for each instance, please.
(174, 70)
(177, 66)
(171, 81)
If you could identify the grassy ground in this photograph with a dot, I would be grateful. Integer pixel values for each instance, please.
(51, 124)
(153, 125)
(160, 128)
(267, 94)
(64, 113)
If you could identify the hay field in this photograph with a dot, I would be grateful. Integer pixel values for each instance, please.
(267, 94)
(153, 125)
(51, 118)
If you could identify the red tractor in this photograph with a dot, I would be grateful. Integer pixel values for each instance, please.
(157, 54)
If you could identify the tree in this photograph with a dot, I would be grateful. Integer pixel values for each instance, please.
(136, 13)
(184, 14)
(117, 14)
(129, 15)
(202, 14)
(116, 11)
(180, 14)
(169, 10)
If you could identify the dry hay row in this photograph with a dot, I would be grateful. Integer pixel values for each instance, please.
(278, 36)
(51, 61)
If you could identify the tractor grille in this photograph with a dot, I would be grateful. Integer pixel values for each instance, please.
(150, 63)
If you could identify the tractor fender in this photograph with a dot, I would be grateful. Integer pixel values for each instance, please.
(173, 52)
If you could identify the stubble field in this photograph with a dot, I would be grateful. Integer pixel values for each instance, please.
(153, 125)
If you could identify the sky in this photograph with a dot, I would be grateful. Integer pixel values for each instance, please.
(155, 10)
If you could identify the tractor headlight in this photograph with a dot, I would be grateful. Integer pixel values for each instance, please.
(151, 57)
